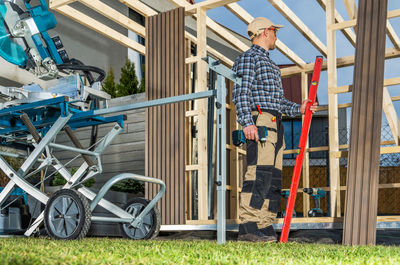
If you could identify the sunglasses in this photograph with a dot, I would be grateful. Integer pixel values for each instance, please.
(275, 30)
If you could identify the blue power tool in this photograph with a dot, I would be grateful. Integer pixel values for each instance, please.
(239, 139)
(285, 194)
(317, 194)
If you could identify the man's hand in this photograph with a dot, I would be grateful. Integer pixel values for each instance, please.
(251, 132)
(303, 107)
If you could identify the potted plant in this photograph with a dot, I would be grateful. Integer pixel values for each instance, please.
(59, 181)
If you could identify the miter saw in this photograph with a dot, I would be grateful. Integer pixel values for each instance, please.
(25, 41)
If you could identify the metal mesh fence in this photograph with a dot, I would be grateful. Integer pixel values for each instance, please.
(389, 192)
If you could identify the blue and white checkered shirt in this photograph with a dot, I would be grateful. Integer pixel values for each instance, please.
(261, 84)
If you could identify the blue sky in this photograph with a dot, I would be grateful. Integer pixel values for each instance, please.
(311, 13)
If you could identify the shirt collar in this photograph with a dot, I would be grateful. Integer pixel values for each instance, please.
(259, 49)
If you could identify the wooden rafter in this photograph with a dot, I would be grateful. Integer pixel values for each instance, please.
(353, 22)
(351, 8)
(341, 62)
(247, 18)
(218, 29)
(139, 7)
(208, 4)
(95, 25)
(348, 33)
(348, 88)
(115, 16)
(57, 3)
(392, 35)
(391, 116)
(299, 25)
(147, 11)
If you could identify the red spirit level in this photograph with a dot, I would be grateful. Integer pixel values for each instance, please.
(302, 145)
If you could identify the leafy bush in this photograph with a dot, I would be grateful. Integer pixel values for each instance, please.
(58, 180)
(129, 186)
(109, 85)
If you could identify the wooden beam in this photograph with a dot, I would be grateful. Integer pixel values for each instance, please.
(306, 162)
(218, 29)
(214, 52)
(391, 115)
(15, 73)
(340, 62)
(334, 169)
(226, 35)
(115, 16)
(353, 22)
(326, 148)
(207, 4)
(247, 18)
(147, 11)
(53, 4)
(383, 150)
(347, 32)
(192, 59)
(299, 25)
(100, 28)
(240, 12)
(392, 35)
(351, 8)
(348, 88)
(202, 119)
(139, 7)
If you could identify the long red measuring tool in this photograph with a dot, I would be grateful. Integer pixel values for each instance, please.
(302, 145)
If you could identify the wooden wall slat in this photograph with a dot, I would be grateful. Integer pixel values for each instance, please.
(165, 72)
(364, 150)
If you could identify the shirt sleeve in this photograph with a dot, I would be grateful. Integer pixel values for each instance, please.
(245, 68)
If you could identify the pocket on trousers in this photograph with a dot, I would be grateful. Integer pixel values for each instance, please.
(261, 187)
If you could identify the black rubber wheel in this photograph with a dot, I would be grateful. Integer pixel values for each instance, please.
(150, 226)
(67, 215)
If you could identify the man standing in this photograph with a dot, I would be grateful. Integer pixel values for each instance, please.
(260, 101)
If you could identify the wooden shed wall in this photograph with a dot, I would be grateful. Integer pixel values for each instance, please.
(165, 127)
(364, 150)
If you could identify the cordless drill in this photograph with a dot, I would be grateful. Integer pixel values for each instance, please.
(285, 194)
(239, 139)
(317, 194)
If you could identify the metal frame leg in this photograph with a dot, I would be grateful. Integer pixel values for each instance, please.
(17, 177)
(221, 160)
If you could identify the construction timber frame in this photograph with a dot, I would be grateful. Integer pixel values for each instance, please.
(198, 113)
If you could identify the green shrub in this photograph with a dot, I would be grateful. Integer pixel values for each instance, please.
(58, 180)
(129, 186)
(109, 85)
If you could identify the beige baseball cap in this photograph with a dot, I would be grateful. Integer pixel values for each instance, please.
(258, 25)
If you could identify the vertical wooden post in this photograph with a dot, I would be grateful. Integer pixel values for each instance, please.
(202, 105)
(234, 158)
(334, 170)
(188, 135)
(306, 162)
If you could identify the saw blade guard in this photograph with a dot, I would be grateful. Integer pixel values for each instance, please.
(10, 50)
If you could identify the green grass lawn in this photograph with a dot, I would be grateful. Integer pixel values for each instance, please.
(119, 251)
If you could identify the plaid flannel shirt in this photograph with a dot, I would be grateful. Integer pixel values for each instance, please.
(261, 84)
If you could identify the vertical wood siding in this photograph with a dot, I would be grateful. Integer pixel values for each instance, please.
(366, 119)
(165, 127)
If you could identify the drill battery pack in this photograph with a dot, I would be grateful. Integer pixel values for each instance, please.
(239, 139)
